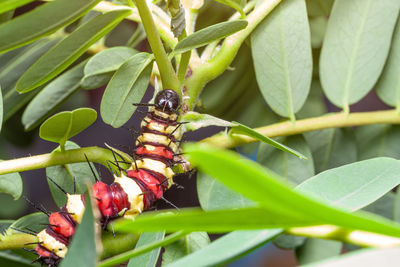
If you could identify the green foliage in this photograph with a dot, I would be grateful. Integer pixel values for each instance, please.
(129, 83)
(150, 258)
(101, 67)
(41, 21)
(209, 34)
(68, 50)
(268, 62)
(347, 74)
(64, 125)
(282, 57)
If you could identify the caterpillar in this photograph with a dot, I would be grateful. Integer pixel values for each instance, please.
(133, 191)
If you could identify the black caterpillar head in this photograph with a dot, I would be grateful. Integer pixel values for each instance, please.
(167, 101)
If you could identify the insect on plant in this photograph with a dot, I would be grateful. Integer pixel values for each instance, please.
(288, 108)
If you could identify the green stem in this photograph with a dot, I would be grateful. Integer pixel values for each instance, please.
(218, 64)
(167, 72)
(356, 237)
(16, 241)
(162, 26)
(95, 154)
(334, 120)
(130, 254)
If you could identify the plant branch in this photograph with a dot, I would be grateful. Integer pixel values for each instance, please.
(356, 237)
(163, 27)
(167, 72)
(95, 154)
(16, 241)
(333, 120)
(221, 61)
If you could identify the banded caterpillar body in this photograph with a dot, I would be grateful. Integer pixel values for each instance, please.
(133, 191)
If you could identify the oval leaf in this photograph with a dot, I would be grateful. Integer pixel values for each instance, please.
(210, 34)
(368, 145)
(355, 185)
(41, 21)
(148, 259)
(100, 68)
(34, 221)
(11, 184)
(213, 195)
(69, 49)
(281, 52)
(126, 87)
(51, 96)
(185, 246)
(352, 56)
(64, 125)
(228, 247)
(242, 129)
(332, 148)
(388, 87)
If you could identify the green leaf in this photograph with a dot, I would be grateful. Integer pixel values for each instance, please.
(289, 241)
(197, 120)
(290, 168)
(209, 34)
(84, 240)
(100, 68)
(263, 187)
(242, 129)
(331, 148)
(41, 21)
(11, 184)
(9, 75)
(213, 195)
(318, 249)
(281, 50)
(378, 141)
(280, 205)
(9, 259)
(364, 257)
(7, 5)
(69, 177)
(64, 125)
(4, 224)
(34, 221)
(235, 4)
(126, 87)
(216, 221)
(52, 96)
(388, 87)
(355, 185)
(227, 248)
(69, 49)
(189, 244)
(317, 8)
(150, 258)
(347, 70)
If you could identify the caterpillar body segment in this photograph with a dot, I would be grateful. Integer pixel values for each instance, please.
(134, 191)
